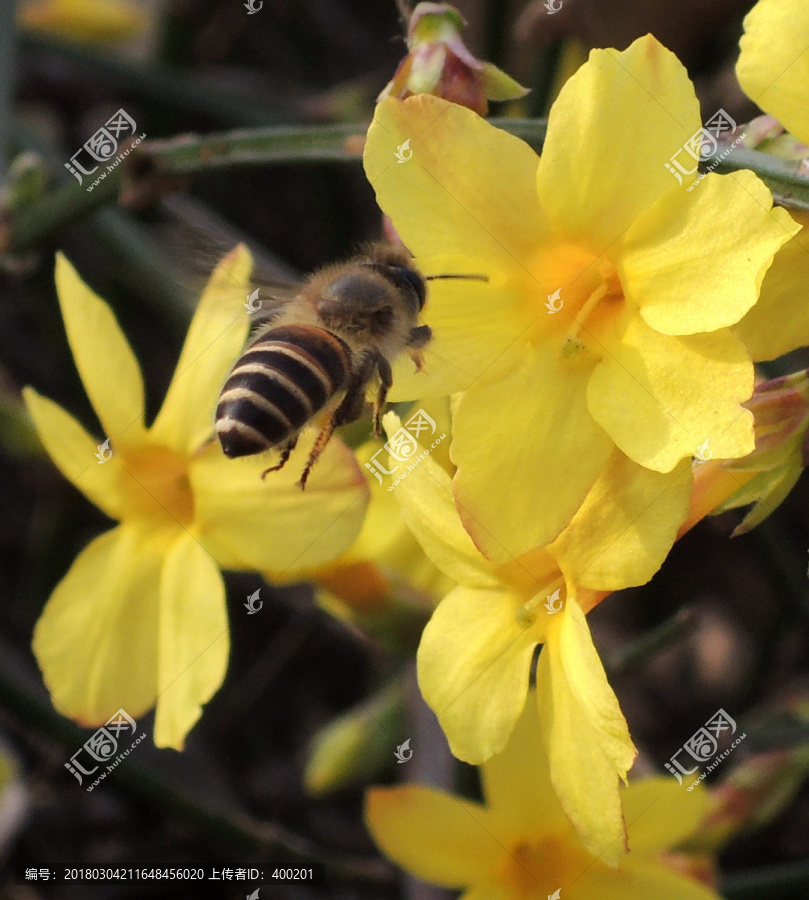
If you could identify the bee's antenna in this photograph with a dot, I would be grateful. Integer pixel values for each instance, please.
(452, 275)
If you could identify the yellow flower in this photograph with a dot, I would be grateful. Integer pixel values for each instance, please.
(88, 21)
(140, 618)
(650, 278)
(475, 654)
(773, 66)
(519, 845)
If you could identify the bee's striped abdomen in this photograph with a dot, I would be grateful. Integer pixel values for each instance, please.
(283, 380)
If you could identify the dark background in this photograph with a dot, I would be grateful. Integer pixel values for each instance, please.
(212, 67)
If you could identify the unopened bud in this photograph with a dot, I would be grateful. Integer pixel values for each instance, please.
(439, 63)
(767, 135)
(358, 745)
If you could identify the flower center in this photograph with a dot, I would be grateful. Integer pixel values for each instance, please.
(593, 310)
(537, 869)
(155, 486)
(547, 602)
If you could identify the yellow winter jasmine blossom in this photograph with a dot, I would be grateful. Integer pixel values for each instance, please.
(606, 318)
(140, 618)
(475, 654)
(519, 845)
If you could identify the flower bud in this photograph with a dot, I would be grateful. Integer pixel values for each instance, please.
(439, 63)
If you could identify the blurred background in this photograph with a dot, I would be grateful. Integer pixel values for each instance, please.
(729, 620)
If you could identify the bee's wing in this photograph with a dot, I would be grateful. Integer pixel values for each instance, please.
(197, 238)
(267, 302)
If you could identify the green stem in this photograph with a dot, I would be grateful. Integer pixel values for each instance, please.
(8, 40)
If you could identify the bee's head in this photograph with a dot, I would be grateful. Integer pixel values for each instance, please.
(373, 300)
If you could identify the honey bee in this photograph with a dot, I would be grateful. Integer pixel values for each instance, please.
(343, 329)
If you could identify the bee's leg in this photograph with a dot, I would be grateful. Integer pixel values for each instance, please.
(318, 447)
(349, 410)
(353, 403)
(288, 448)
(385, 381)
(418, 338)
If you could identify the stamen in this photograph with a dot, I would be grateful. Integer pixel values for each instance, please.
(572, 344)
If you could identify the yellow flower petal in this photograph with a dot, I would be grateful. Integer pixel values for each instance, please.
(96, 641)
(248, 523)
(440, 837)
(625, 528)
(527, 451)
(106, 364)
(193, 640)
(660, 814)
(517, 784)
(638, 882)
(623, 114)
(779, 322)
(74, 452)
(585, 734)
(773, 66)
(659, 397)
(451, 217)
(475, 326)
(215, 338)
(431, 197)
(664, 257)
(473, 664)
(428, 510)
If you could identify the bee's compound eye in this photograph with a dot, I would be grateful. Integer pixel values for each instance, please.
(412, 277)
